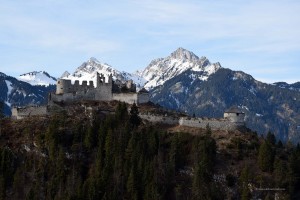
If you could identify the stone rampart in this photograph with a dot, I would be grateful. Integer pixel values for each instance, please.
(160, 119)
(215, 124)
(22, 112)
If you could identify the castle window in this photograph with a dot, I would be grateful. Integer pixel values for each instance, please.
(58, 82)
(237, 114)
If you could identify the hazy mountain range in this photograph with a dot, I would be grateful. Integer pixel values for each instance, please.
(188, 83)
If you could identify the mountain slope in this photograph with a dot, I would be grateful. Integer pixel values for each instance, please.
(267, 107)
(163, 69)
(38, 78)
(293, 86)
(87, 71)
(19, 93)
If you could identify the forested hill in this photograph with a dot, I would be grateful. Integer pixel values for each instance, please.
(117, 156)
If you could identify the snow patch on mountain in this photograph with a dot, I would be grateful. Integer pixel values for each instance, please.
(9, 90)
(37, 78)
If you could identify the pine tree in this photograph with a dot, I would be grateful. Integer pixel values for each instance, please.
(2, 109)
(271, 138)
(135, 120)
(266, 157)
(244, 180)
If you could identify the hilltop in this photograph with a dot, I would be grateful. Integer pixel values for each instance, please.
(76, 154)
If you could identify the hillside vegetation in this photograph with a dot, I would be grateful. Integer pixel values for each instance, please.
(70, 155)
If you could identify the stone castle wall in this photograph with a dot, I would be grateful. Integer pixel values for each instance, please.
(68, 92)
(22, 112)
(138, 98)
(160, 119)
(215, 124)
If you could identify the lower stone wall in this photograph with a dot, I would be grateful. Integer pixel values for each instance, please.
(20, 113)
(215, 124)
(160, 119)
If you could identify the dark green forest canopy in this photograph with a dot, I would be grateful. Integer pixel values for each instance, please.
(119, 157)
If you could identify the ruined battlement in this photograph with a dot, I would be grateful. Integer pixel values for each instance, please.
(64, 86)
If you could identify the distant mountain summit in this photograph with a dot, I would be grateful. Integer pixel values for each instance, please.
(37, 78)
(162, 69)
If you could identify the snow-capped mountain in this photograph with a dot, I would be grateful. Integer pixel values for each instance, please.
(87, 71)
(162, 69)
(19, 93)
(37, 78)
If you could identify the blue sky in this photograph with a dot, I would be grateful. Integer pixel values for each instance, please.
(261, 38)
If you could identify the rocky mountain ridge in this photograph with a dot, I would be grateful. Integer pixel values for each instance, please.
(163, 69)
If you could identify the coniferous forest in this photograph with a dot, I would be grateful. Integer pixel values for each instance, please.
(118, 156)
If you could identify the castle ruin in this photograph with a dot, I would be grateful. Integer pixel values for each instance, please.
(66, 92)
(102, 91)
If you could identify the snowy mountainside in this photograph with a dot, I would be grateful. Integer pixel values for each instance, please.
(162, 69)
(18, 93)
(88, 70)
(37, 78)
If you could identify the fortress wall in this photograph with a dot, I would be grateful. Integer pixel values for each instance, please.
(160, 119)
(143, 98)
(126, 97)
(20, 113)
(214, 124)
(103, 92)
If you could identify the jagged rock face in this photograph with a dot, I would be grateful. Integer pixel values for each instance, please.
(163, 69)
(18, 93)
(37, 78)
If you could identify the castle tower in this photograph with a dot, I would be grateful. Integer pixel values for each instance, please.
(235, 115)
(63, 86)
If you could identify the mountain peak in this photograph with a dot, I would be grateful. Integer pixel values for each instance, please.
(183, 54)
(93, 59)
(37, 78)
